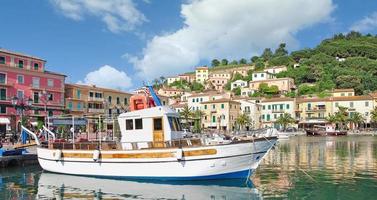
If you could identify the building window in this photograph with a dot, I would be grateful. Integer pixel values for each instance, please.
(342, 94)
(35, 82)
(351, 104)
(268, 117)
(78, 106)
(3, 109)
(193, 100)
(205, 107)
(78, 94)
(336, 104)
(91, 94)
(50, 113)
(70, 105)
(213, 106)
(50, 97)
(20, 79)
(287, 106)
(21, 64)
(50, 82)
(3, 78)
(118, 100)
(139, 123)
(3, 94)
(36, 97)
(36, 66)
(157, 124)
(125, 101)
(269, 107)
(20, 94)
(366, 104)
(2, 60)
(129, 124)
(109, 99)
(264, 107)
(110, 112)
(349, 94)
(98, 95)
(213, 119)
(222, 106)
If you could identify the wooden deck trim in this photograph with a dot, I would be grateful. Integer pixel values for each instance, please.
(200, 152)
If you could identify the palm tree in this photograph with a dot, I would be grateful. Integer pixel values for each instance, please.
(342, 116)
(332, 119)
(243, 120)
(374, 115)
(356, 118)
(186, 113)
(198, 114)
(285, 120)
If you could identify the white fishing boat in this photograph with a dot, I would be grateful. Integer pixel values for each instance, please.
(152, 146)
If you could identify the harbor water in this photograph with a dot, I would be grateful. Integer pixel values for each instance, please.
(299, 168)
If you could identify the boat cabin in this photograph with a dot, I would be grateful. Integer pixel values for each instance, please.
(151, 126)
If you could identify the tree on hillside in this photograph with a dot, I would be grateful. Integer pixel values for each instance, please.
(267, 54)
(237, 91)
(353, 34)
(243, 61)
(237, 76)
(162, 79)
(259, 65)
(224, 62)
(196, 86)
(215, 63)
(234, 62)
(281, 51)
(254, 59)
(285, 120)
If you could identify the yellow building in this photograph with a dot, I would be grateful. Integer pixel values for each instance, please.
(220, 114)
(343, 92)
(201, 74)
(284, 84)
(313, 111)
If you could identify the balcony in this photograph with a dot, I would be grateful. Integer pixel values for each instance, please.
(96, 99)
(96, 110)
(315, 109)
(278, 111)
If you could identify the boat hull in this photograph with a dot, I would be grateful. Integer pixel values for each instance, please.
(199, 163)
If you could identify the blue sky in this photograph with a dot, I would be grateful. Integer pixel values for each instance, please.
(122, 43)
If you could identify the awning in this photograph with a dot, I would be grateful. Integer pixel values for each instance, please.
(77, 121)
(4, 120)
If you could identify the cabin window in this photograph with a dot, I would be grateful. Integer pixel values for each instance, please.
(175, 124)
(139, 123)
(157, 124)
(129, 124)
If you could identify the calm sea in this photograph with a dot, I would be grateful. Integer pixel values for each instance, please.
(299, 168)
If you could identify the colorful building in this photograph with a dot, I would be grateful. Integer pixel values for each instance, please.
(284, 84)
(22, 78)
(273, 108)
(220, 114)
(218, 80)
(201, 74)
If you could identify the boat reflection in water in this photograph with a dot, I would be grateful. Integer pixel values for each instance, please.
(58, 186)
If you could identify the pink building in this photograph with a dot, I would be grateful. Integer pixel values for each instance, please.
(24, 77)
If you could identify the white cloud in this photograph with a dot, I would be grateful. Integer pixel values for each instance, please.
(118, 15)
(367, 24)
(230, 29)
(109, 77)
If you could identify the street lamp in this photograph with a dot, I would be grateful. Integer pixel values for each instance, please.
(22, 104)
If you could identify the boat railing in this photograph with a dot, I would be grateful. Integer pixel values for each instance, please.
(113, 145)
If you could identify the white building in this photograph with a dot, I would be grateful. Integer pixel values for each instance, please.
(251, 107)
(246, 92)
(259, 76)
(194, 101)
(273, 108)
(276, 69)
(238, 83)
(172, 79)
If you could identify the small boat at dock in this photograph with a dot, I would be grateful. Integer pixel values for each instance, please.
(324, 131)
